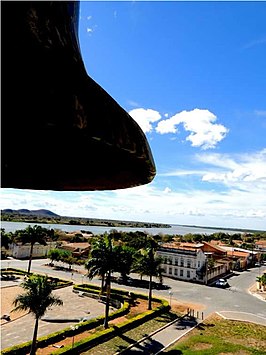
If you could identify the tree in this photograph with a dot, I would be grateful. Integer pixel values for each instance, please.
(148, 264)
(32, 235)
(102, 262)
(54, 255)
(6, 238)
(125, 258)
(37, 298)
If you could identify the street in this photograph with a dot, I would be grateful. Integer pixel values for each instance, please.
(234, 301)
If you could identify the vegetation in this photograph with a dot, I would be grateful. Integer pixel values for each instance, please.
(32, 235)
(46, 216)
(37, 298)
(97, 335)
(102, 262)
(146, 263)
(220, 336)
(122, 341)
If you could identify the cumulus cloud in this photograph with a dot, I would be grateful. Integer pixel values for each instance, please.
(145, 118)
(245, 169)
(227, 190)
(204, 132)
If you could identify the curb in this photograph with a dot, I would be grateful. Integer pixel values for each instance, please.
(150, 335)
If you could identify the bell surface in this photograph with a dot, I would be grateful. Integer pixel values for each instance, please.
(60, 129)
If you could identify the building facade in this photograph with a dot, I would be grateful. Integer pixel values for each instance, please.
(200, 262)
(186, 264)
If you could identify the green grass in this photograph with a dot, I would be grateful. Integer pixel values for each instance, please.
(215, 337)
(124, 340)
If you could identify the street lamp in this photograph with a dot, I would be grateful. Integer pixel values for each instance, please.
(73, 327)
(170, 297)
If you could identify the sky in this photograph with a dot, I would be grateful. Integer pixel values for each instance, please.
(193, 76)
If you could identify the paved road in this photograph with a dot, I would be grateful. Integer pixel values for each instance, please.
(234, 302)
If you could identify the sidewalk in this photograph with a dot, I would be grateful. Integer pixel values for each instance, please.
(156, 342)
(161, 339)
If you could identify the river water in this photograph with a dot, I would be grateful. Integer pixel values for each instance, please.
(175, 229)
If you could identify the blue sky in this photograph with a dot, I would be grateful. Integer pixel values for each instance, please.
(193, 75)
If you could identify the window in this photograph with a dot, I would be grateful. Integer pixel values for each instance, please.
(188, 273)
(175, 272)
(181, 273)
(181, 262)
(176, 261)
(188, 263)
(170, 271)
(170, 261)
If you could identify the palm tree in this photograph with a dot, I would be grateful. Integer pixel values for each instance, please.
(37, 298)
(102, 262)
(148, 264)
(32, 235)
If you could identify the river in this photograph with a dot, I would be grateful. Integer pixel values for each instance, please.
(175, 229)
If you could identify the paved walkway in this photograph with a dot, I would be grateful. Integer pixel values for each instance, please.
(75, 308)
(156, 342)
(159, 340)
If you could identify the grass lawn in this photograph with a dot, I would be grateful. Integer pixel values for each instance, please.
(217, 336)
(124, 340)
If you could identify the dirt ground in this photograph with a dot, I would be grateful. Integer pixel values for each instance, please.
(8, 294)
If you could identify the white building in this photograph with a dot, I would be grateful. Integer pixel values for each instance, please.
(200, 262)
(183, 263)
(20, 251)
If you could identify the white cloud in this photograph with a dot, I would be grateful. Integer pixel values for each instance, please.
(239, 170)
(144, 117)
(260, 113)
(205, 133)
(237, 199)
(256, 42)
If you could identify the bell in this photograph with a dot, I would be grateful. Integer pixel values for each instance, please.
(60, 129)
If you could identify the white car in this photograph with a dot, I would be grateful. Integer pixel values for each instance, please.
(221, 283)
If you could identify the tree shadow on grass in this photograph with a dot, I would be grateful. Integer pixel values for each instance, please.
(147, 346)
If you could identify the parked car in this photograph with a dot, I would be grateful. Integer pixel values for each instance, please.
(221, 283)
(257, 264)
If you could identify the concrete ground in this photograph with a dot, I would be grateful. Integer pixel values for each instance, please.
(75, 308)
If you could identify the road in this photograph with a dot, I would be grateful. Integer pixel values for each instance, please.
(235, 298)
(235, 301)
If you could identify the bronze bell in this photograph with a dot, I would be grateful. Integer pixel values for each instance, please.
(60, 129)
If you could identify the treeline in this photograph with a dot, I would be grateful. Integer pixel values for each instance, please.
(32, 218)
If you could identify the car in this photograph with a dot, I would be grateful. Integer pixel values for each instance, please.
(221, 283)
(257, 264)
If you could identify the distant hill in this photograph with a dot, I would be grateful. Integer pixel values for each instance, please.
(42, 212)
(46, 216)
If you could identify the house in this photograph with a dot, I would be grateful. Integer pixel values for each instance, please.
(20, 251)
(260, 245)
(241, 258)
(191, 261)
(78, 250)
